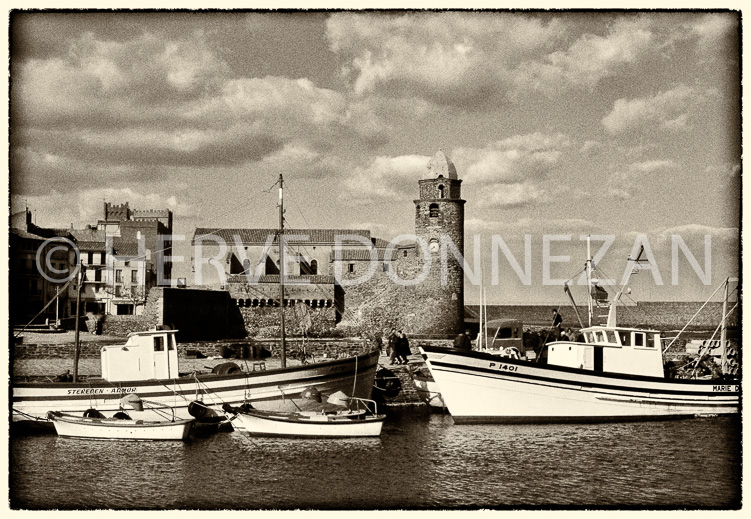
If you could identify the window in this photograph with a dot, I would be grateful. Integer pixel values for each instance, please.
(98, 275)
(134, 276)
(625, 339)
(118, 290)
(170, 342)
(158, 344)
(639, 340)
(385, 267)
(405, 253)
(433, 210)
(441, 194)
(417, 211)
(351, 267)
(314, 267)
(118, 276)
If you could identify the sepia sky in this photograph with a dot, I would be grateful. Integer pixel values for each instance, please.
(559, 123)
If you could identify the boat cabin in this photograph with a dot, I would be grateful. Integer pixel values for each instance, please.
(628, 351)
(145, 356)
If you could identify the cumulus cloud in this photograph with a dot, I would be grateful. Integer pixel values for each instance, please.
(625, 182)
(385, 178)
(590, 58)
(505, 196)
(670, 109)
(457, 59)
(515, 159)
(152, 102)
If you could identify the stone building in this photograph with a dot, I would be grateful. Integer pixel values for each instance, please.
(348, 277)
(122, 257)
(34, 284)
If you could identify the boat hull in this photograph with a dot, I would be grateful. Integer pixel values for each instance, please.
(297, 425)
(114, 429)
(274, 390)
(481, 388)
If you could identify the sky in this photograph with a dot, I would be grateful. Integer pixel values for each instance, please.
(621, 125)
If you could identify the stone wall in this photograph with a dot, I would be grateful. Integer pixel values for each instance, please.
(263, 322)
(122, 325)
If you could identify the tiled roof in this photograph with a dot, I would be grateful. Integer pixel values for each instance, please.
(92, 246)
(87, 235)
(260, 236)
(27, 235)
(361, 254)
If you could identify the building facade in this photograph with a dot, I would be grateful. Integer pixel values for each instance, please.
(370, 283)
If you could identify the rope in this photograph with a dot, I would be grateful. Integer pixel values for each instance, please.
(706, 350)
(692, 318)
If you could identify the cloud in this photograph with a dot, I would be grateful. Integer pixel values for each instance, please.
(384, 178)
(626, 182)
(669, 110)
(455, 59)
(150, 102)
(515, 159)
(510, 195)
(62, 210)
(590, 58)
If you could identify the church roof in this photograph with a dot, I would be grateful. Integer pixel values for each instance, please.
(259, 236)
(441, 166)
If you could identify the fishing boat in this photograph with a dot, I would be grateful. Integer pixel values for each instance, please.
(147, 364)
(309, 424)
(614, 373)
(97, 427)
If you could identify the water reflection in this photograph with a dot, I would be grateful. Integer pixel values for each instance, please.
(420, 461)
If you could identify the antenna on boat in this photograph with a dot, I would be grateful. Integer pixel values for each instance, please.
(283, 355)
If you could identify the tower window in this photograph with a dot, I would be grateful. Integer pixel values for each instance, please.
(405, 253)
(433, 210)
(441, 194)
(417, 210)
(314, 267)
(351, 267)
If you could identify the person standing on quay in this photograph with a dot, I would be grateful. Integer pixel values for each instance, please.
(557, 324)
(391, 344)
(463, 341)
(402, 346)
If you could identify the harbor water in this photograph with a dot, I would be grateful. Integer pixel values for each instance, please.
(421, 461)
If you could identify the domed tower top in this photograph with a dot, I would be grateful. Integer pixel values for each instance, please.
(441, 166)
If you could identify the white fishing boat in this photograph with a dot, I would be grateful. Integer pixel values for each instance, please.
(100, 428)
(616, 373)
(309, 424)
(147, 364)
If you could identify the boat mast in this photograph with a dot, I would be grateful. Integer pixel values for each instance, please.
(77, 352)
(589, 280)
(723, 332)
(281, 271)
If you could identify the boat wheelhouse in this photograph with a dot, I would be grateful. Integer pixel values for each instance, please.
(630, 351)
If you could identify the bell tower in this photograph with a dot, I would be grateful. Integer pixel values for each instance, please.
(439, 219)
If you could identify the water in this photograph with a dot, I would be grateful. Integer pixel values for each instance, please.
(421, 461)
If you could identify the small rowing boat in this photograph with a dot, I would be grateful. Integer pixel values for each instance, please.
(95, 426)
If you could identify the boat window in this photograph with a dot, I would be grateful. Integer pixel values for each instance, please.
(625, 339)
(170, 342)
(639, 340)
(158, 344)
(611, 338)
(655, 342)
(590, 337)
